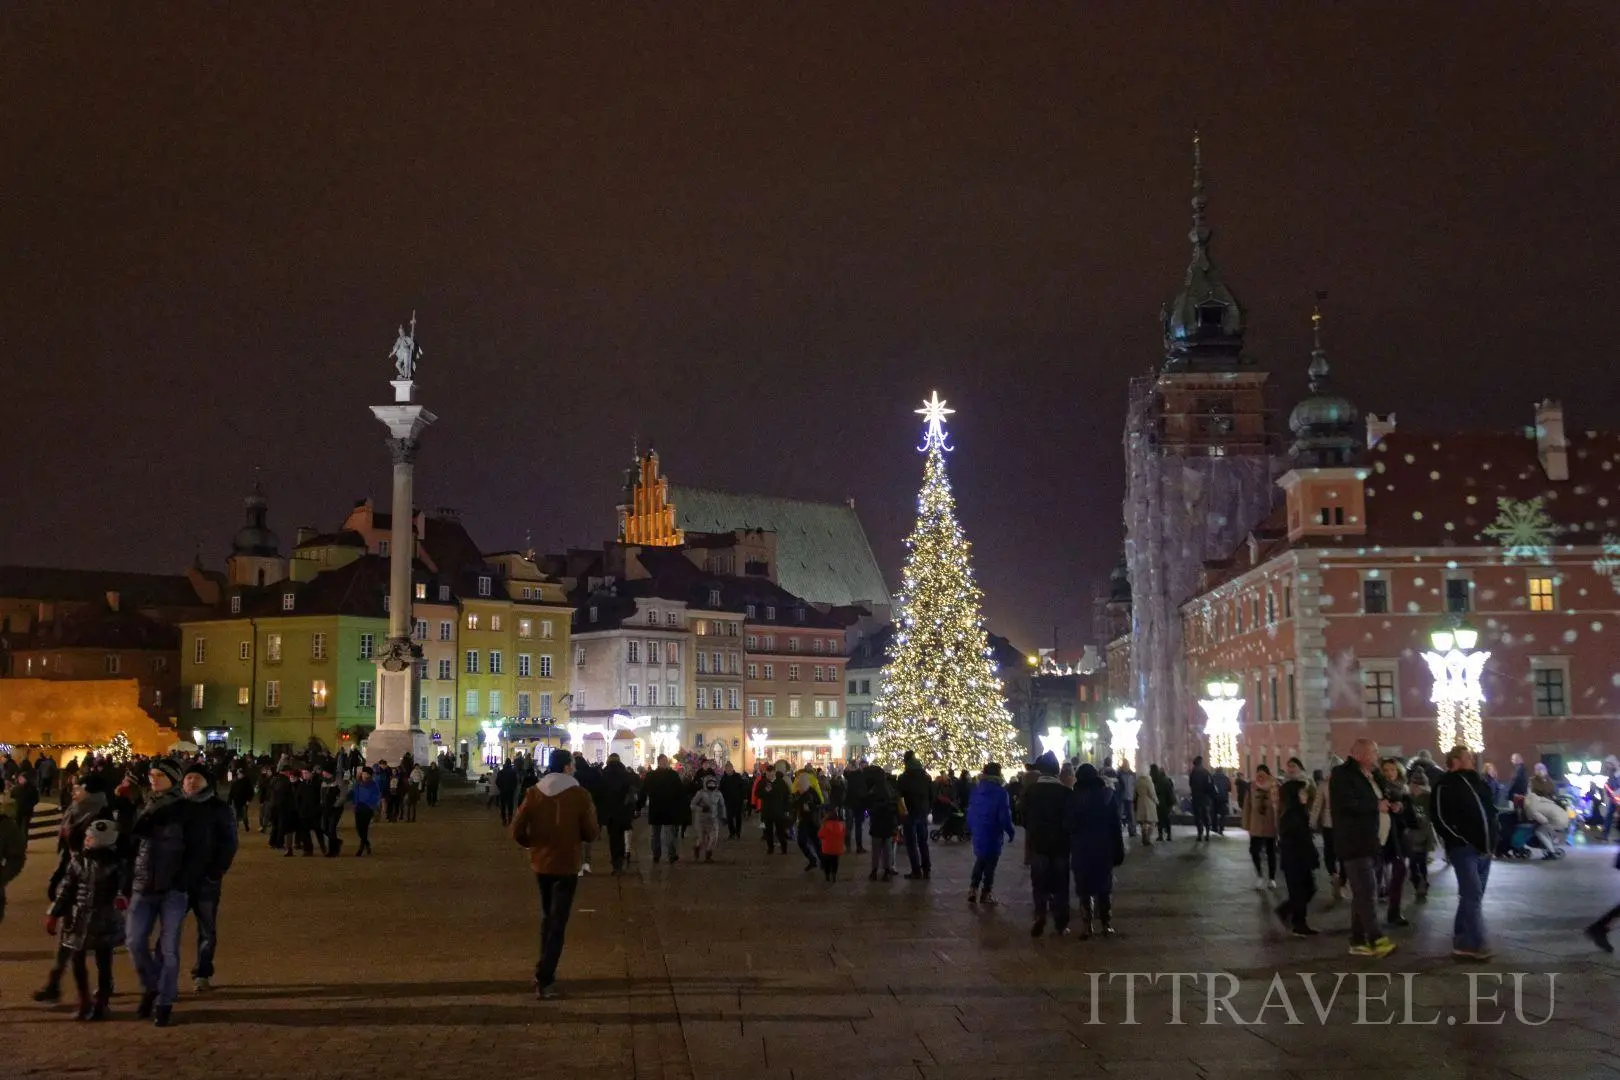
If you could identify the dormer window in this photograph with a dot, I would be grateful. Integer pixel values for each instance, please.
(444, 593)
(714, 598)
(483, 585)
(287, 601)
(236, 605)
(1211, 316)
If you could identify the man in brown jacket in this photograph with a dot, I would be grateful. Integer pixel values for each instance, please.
(556, 817)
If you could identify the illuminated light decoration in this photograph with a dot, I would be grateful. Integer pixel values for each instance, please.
(116, 749)
(492, 742)
(940, 694)
(1457, 694)
(758, 739)
(1222, 707)
(1608, 564)
(1124, 732)
(197, 737)
(666, 739)
(836, 741)
(1523, 528)
(1054, 743)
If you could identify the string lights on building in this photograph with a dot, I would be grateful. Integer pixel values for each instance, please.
(1457, 694)
(1222, 707)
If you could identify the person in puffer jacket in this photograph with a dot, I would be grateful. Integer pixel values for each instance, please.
(171, 857)
(989, 818)
(86, 910)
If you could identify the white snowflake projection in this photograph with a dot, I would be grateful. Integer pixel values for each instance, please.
(1608, 564)
(1345, 688)
(1523, 528)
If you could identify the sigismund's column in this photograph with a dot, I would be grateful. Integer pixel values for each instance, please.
(398, 731)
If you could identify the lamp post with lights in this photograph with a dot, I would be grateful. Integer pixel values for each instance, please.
(1222, 706)
(1456, 667)
(1124, 731)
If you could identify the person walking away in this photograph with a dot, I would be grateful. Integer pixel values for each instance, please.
(1467, 828)
(883, 808)
(664, 796)
(775, 808)
(855, 804)
(413, 792)
(171, 852)
(262, 786)
(1361, 826)
(367, 798)
(431, 788)
(25, 794)
(989, 821)
(1125, 796)
(1147, 807)
(89, 803)
(1260, 822)
(1394, 853)
(830, 842)
(708, 808)
(615, 803)
(1096, 847)
(506, 786)
(1220, 801)
(1419, 834)
(333, 795)
(1203, 795)
(1165, 789)
(1046, 839)
(306, 801)
(220, 836)
(556, 819)
(1296, 848)
(807, 807)
(734, 790)
(241, 793)
(916, 794)
(84, 912)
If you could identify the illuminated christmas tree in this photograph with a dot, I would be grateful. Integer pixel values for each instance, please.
(117, 749)
(941, 696)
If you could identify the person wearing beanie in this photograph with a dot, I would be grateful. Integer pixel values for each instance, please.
(1047, 839)
(708, 810)
(172, 848)
(989, 818)
(89, 804)
(917, 799)
(85, 912)
(204, 898)
(557, 817)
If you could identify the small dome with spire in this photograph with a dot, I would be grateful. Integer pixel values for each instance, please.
(1203, 325)
(255, 537)
(1323, 423)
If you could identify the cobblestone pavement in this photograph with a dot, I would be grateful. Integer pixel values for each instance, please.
(416, 962)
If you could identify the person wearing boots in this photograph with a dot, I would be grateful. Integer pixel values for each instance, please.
(1046, 841)
(989, 819)
(171, 851)
(1147, 807)
(89, 804)
(221, 851)
(1096, 846)
(86, 912)
(1295, 848)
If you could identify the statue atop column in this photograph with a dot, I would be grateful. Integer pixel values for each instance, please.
(406, 354)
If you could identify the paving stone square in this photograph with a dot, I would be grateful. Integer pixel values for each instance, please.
(418, 961)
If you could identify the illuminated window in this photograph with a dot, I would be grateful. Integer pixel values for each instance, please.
(832, 708)
(545, 628)
(525, 628)
(472, 620)
(242, 694)
(197, 691)
(1541, 594)
(317, 694)
(494, 622)
(421, 590)
(272, 648)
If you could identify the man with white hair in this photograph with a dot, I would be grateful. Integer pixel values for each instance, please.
(1361, 825)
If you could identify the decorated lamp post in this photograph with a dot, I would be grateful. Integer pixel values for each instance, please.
(666, 739)
(1222, 707)
(1457, 695)
(1124, 730)
(836, 741)
(1054, 743)
(758, 739)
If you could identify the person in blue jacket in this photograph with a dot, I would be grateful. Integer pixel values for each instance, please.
(367, 797)
(989, 818)
(1095, 847)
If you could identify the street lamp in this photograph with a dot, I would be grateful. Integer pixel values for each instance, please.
(837, 740)
(1222, 707)
(1124, 730)
(1053, 742)
(757, 740)
(666, 739)
(1457, 695)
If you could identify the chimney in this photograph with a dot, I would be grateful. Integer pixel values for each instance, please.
(305, 534)
(1551, 450)
(1378, 428)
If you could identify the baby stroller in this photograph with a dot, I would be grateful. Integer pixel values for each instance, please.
(950, 823)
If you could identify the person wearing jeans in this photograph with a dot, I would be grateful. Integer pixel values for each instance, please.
(160, 973)
(204, 895)
(557, 817)
(664, 795)
(917, 799)
(173, 846)
(1361, 828)
(1468, 829)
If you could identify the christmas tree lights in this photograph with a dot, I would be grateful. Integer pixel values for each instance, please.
(940, 695)
(116, 749)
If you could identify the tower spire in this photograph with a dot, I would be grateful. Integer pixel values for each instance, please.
(1200, 230)
(1319, 361)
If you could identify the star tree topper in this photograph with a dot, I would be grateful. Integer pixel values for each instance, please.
(934, 413)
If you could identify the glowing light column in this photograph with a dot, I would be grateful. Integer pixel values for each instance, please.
(1457, 695)
(1124, 731)
(1222, 708)
(1054, 743)
(758, 739)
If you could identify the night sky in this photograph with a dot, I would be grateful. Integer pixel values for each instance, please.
(758, 238)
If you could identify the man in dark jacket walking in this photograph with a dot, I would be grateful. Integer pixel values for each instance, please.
(854, 804)
(1466, 824)
(734, 790)
(615, 801)
(220, 837)
(1203, 796)
(1361, 825)
(1046, 837)
(172, 847)
(917, 797)
(664, 796)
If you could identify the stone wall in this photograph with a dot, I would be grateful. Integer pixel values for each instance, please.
(77, 713)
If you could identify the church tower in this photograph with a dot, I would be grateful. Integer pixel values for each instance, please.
(255, 557)
(1199, 473)
(646, 516)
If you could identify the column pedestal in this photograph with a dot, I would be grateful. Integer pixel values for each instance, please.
(397, 733)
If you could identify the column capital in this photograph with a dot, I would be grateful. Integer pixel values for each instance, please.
(403, 450)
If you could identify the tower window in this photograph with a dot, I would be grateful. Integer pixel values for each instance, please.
(1211, 316)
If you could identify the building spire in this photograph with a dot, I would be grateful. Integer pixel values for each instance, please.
(1319, 362)
(1200, 230)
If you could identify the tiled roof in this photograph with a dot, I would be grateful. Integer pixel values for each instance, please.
(92, 586)
(342, 538)
(821, 550)
(356, 588)
(102, 629)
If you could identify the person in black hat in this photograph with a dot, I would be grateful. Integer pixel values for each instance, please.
(171, 851)
(1046, 836)
(220, 835)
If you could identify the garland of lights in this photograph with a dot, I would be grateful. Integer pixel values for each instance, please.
(1457, 694)
(1222, 707)
(940, 695)
(117, 749)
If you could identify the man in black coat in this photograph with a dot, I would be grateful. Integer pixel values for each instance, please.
(855, 804)
(1361, 826)
(1203, 796)
(734, 790)
(173, 848)
(306, 817)
(615, 801)
(219, 851)
(1046, 837)
(1466, 824)
(664, 796)
(917, 797)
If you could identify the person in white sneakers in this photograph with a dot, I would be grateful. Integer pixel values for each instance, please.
(1260, 822)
